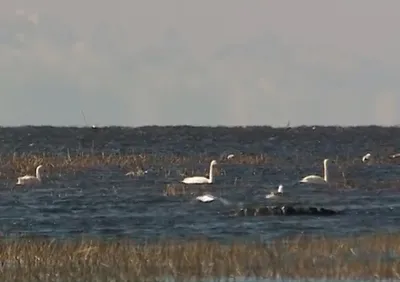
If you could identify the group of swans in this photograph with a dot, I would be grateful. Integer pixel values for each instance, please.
(310, 179)
(34, 180)
(314, 179)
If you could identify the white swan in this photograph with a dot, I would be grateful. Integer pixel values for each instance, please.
(315, 179)
(230, 156)
(201, 179)
(207, 198)
(275, 194)
(31, 180)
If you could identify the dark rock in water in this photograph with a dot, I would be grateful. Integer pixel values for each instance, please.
(283, 210)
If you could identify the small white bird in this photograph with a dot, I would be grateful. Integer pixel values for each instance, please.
(366, 158)
(394, 156)
(206, 198)
(30, 180)
(275, 194)
(139, 172)
(230, 156)
(201, 179)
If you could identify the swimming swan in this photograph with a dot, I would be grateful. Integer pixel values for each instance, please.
(201, 179)
(31, 180)
(315, 179)
(275, 194)
(207, 198)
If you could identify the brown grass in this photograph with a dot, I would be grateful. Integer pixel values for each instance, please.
(87, 260)
(14, 165)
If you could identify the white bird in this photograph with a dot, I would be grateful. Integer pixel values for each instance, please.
(201, 179)
(395, 156)
(206, 198)
(366, 158)
(315, 179)
(275, 194)
(230, 156)
(31, 180)
(139, 172)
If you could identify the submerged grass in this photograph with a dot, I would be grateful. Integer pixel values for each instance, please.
(32, 259)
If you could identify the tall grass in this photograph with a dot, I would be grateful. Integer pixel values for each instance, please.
(124, 260)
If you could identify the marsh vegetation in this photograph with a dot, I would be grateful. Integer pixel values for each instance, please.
(35, 259)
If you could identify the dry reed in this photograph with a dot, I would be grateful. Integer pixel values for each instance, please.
(32, 259)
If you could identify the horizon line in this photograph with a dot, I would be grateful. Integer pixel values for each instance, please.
(202, 126)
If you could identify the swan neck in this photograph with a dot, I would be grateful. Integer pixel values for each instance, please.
(38, 176)
(211, 176)
(326, 172)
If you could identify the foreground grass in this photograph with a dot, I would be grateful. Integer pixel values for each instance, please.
(94, 260)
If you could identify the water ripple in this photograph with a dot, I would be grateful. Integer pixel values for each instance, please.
(105, 202)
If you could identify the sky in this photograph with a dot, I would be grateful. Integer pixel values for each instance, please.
(186, 62)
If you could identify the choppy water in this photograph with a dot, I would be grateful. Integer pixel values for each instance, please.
(105, 202)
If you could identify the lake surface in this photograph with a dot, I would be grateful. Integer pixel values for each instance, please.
(103, 201)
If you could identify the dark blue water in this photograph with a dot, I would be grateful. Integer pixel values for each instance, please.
(102, 201)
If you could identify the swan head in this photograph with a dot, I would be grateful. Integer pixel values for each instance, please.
(214, 162)
(328, 162)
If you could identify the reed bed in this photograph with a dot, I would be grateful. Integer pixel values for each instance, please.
(13, 165)
(85, 160)
(376, 256)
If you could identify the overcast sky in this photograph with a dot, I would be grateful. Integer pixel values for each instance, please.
(209, 62)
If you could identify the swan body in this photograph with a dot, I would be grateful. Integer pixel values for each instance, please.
(316, 179)
(201, 179)
(206, 198)
(230, 156)
(30, 179)
(275, 194)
